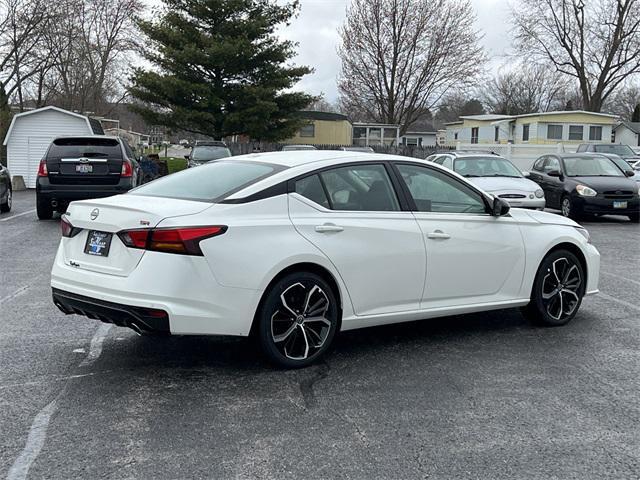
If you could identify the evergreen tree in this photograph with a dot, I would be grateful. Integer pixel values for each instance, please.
(221, 70)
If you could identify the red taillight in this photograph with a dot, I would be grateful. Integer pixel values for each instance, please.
(127, 170)
(67, 229)
(183, 240)
(42, 168)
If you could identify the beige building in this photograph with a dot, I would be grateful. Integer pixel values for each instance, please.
(323, 128)
(545, 128)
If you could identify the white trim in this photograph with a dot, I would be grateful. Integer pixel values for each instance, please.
(38, 110)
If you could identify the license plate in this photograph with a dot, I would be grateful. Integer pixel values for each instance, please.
(84, 168)
(619, 204)
(98, 243)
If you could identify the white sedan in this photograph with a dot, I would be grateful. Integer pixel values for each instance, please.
(293, 247)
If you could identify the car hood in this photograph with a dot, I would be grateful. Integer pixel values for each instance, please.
(601, 184)
(542, 217)
(500, 184)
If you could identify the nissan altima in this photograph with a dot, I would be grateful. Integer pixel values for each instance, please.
(294, 247)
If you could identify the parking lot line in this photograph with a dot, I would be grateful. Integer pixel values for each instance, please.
(18, 215)
(621, 277)
(14, 294)
(38, 431)
(621, 302)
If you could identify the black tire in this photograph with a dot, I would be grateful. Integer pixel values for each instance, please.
(293, 341)
(635, 217)
(6, 205)
(554, 303)
(567, 208)
(43, 208)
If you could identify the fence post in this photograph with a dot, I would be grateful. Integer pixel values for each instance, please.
(457, 145)
(509, 151)
(559, 148)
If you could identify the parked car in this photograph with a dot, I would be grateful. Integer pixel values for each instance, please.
(294, 246)
(204, 152)
(6, 192)
(76, 168)
(292, 148)
(623, 165)
(495, 175)
(586, 183)
(624, 151)
(358, 149)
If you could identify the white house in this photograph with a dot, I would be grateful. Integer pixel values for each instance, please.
(419, 139)
(627, 133)
(30, 134)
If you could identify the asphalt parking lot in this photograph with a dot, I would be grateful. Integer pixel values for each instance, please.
(476, 396)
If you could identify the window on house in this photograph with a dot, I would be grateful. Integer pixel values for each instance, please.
(575, 132)
(474, 134)
(496, 133)
(554, 132)
(525, 132)
(308, 130)
(595, 133)
(455, 136)
(411, 141)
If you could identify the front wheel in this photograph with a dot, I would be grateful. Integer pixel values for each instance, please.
(567, 208)
(298, 320)
(557, 289)
(6, 205)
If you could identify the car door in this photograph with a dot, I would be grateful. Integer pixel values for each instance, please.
(554, 186)
(354, 216)
(472, 257)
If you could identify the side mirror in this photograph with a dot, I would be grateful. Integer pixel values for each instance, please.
(554, 173)
(500, 207)
(526, 174)
(629, 173)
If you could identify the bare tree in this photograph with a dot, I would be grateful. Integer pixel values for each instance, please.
(625, 101)
(526, 89)
(400, 56)
(596, 42)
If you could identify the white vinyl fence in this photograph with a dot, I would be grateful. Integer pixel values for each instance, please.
(522, 155)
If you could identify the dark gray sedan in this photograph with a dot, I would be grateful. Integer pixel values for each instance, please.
(5, 189)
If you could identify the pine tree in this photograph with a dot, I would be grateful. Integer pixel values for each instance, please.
(220, 70)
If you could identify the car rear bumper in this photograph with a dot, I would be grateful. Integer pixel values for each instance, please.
(142, 320)
(180, 285)
(47, 190)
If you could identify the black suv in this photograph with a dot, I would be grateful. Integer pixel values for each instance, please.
(77, 168)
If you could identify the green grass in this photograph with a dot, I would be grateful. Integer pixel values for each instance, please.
(175, 164)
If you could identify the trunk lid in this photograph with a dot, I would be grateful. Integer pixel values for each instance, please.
(111, 215)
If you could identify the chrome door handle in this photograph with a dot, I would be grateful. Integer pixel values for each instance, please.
(328, 227)
(438, 234)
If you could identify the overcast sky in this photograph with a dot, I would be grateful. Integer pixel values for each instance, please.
(315, 29)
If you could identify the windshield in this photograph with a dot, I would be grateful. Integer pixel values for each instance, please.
(622, 150)
(205, 153)
(489, 166)
(209, 182)
(620, 162)
(595, 166)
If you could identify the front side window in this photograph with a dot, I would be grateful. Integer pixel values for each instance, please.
(575, 132)
(433, 191)
(595, 133)
(360, 188)
(554, 132)
(308, 130)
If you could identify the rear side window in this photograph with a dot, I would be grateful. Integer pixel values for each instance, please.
(311, 188)
(360, 188)
(209, 182)
(85, 147)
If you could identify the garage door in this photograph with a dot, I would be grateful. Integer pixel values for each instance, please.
(36, 148)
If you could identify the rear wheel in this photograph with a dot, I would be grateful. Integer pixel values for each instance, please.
(43, 208)
(6, 205)
(557, 290)
(298, 320)
(635, 217)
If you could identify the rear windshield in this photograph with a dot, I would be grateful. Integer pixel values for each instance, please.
(210, 182)
(207, 153)
(622, 150)
(85, 147)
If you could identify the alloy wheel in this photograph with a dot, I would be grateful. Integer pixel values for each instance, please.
(561, 289)
(9, 199)
(299, 326)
